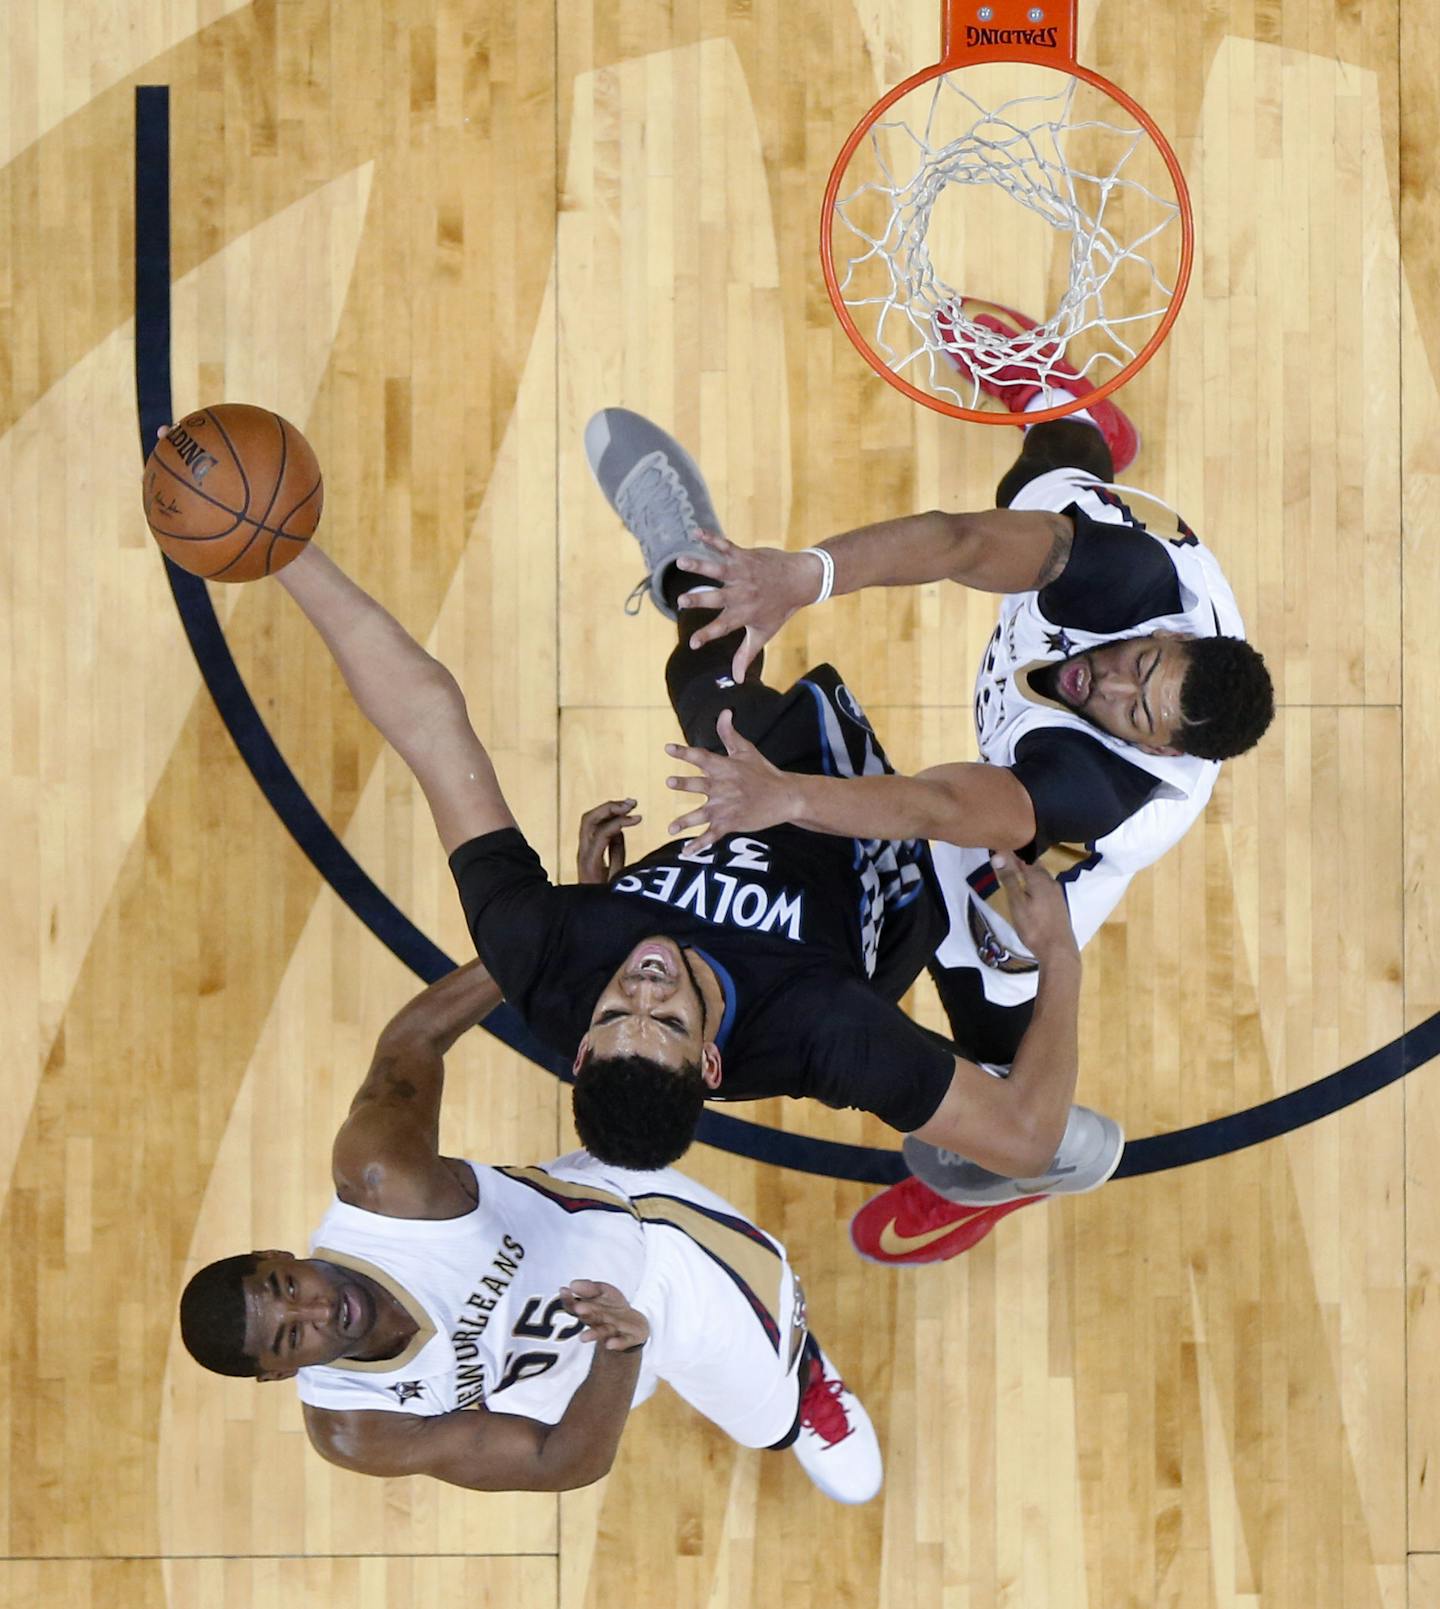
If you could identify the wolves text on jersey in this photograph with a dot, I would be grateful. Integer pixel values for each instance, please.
(722, 896)
(889, 875)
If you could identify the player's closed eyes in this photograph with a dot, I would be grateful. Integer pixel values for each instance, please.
(1135, 711)
(674, 1024)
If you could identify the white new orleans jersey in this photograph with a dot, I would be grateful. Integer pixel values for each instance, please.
(1008, 707)
(725, 1311)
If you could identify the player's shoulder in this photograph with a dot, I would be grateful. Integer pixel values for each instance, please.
(1072, 750)
(1127, 508)
(1118, 575)
(393, 1179)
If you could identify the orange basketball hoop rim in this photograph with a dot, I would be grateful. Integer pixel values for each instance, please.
(1042, 35)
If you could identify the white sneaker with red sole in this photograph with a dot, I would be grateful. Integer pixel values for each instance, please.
(837, 1446)
(1015, 385)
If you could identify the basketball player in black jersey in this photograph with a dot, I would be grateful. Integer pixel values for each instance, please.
(767, 965)
(1115, 682)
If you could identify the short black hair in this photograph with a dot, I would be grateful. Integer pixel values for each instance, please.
(1226, 699)
(212, 1316)
(636, 1113)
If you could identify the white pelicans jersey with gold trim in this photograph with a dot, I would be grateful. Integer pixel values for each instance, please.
(1008, 708)
(485, 1290)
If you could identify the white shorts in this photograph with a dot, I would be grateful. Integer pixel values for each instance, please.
(726, 1312)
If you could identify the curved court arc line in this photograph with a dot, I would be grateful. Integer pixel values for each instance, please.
(252, 739)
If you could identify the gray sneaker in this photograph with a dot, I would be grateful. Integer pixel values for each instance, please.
(656, 487)
(1089, 1153)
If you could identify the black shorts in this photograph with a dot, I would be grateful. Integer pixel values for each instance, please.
(818, 728)
(981, 1030)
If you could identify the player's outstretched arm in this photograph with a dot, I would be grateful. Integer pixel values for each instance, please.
(386, 1157)
(966, 803)
(406, 694)
(994, 550)
(500, 1452)
(1014, 1126)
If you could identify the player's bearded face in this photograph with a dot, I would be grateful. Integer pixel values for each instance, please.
(1129, 688)
(652, 1007)
(300, 1312)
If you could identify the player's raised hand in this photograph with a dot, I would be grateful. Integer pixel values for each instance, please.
(746, 792)
(600, 854)
(762, 588)
(1038, 911)
(607, 1316)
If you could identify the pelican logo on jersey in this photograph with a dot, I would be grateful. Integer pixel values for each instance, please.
(991, 951)
(193, 455)
(721, 896)
(471, 1325)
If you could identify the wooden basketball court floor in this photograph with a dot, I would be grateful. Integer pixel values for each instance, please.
(437, 235)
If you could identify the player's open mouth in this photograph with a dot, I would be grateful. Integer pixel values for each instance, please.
(355, 1311)
(652, 960)
(1073, 681)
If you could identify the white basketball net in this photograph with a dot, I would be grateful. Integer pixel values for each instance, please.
(1025, 146)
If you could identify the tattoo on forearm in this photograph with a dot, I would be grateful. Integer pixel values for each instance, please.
(1059, 553)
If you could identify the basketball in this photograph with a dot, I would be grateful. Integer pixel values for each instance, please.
(233, 492)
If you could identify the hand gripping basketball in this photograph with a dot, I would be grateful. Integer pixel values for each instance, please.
(232, 493)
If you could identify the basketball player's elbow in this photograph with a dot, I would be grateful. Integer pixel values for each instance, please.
(587, 1476)
(577, 1468)
(1033, 1144)
(963, 537)
(1011, 1147)
(1000, 1134)
(437, 713)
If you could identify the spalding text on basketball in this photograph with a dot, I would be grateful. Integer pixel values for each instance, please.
(195, 458)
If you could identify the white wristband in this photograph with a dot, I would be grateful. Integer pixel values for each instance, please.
(827, 572)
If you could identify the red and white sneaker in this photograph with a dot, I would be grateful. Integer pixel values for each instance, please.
(1017, 384)
(909, 1223)
(837, 1446)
